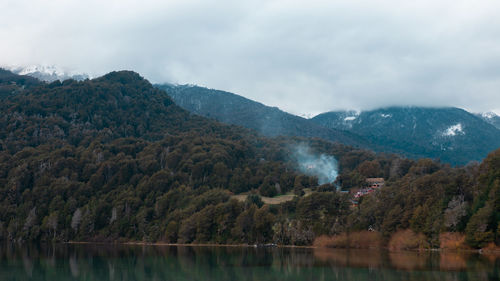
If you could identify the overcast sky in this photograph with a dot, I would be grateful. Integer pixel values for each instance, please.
(302, 56)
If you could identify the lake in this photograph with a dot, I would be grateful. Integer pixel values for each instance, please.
(136, 262)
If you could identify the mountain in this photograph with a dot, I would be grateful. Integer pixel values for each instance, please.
(450, 134)
(47, 73)
(114, 159)
(12, 84)
(491, 118)
(270, 121)
(7, 77)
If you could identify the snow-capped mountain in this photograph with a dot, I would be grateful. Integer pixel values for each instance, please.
(48, 73)
(451, 134)
(490, 117)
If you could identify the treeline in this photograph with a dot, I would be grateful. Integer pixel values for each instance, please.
(113, 159)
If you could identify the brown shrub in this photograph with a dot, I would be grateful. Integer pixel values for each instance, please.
(365, 239)
(491, 248)
(355, 240)
(452, 241)
(337, 241)
(407, 240)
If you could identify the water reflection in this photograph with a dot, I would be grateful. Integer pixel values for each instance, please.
(108, 262)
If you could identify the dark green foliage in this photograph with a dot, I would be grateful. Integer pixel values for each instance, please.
(113, 159)
(254, 199)
(483, 226)
(325, 212)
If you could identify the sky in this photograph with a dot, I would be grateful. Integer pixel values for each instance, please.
(305, 57)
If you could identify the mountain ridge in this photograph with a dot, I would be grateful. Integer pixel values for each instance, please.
(230, 108)
(448, 133)
(271, 121)
(47, 73)
(491, 118)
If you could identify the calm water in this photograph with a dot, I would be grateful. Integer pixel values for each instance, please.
(105, 262)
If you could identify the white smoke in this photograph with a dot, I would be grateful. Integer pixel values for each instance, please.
(322, 166)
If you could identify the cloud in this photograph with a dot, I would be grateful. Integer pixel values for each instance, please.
(303, 56)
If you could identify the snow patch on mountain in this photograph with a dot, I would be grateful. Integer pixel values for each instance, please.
(307, 115)
(454, 130)
(489, 115)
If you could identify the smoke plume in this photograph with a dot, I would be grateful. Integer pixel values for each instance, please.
(322, 166)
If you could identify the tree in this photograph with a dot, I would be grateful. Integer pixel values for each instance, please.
(50, 224)
(263, 221)
(76, 219)
(477, 233)
(456, 211)
(370, 169)
(171, 232)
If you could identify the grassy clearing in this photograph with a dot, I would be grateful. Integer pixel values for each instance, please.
(267, 200)
(307, 191)
(273, 200)
(278, 199)
(240, 197)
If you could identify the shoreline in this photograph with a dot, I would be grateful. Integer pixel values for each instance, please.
(189, 244)
(476, 251)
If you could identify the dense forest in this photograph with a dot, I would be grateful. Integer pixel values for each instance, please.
(230, 108)
(114, 159)
(449, 134)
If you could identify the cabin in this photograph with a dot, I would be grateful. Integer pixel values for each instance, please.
(372, 184)
(375, 182)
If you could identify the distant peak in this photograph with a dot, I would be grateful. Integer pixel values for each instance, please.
(48, 73)
(123, 77)
(50, 69)
(489, 115)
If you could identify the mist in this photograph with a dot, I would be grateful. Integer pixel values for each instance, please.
(322, 166)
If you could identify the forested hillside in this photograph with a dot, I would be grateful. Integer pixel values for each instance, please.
(114, 159)
(450, 134)
(95, 160)
(237, 110)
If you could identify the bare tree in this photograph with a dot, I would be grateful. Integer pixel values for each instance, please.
(76, 219)
(457, 209)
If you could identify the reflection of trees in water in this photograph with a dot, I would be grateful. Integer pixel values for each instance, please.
(413, 265)
(352, 258)
(452, 261)
(107, 262)
(411, 260)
